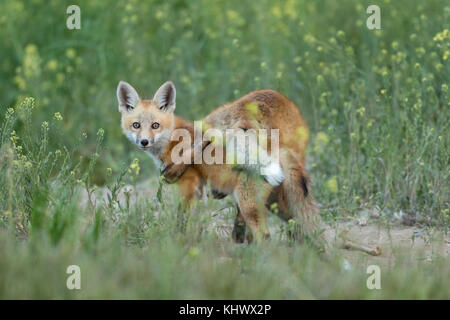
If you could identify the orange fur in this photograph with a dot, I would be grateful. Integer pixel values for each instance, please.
(263, 109)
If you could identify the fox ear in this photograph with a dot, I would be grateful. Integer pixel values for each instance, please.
(165, 97)
(127, 96)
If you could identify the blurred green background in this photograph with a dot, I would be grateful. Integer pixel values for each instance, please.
(377, 103)
(376, 100)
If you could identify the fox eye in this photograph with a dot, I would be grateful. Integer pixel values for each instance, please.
(155, 125)
(136, 125)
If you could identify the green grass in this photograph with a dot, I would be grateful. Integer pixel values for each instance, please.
(377, 103)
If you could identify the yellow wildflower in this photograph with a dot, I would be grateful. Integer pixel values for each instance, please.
(332, 185)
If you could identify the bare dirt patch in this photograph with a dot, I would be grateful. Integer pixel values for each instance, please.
(420, 243)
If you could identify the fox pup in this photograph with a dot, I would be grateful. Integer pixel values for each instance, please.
(149, 124)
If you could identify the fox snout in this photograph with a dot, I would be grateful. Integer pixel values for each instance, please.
(145, 142)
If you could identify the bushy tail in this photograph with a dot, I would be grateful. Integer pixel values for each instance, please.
(302, 212)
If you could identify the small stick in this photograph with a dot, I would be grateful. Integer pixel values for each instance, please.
(215, 213)
(351, 245)
(354, 246)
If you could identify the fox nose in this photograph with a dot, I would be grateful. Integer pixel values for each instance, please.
(144, 142)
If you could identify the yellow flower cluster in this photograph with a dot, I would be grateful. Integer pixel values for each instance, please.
(134, 167)
(332, 185)
(320, 141)
(30, 69)
(58, 116)
(441, 36)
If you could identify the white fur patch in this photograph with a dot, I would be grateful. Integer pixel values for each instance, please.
(162, 138)
(273, 173)
(131, 136)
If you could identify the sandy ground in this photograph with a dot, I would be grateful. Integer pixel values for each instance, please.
(393, 237)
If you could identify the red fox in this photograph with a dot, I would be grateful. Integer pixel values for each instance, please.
(150, 125)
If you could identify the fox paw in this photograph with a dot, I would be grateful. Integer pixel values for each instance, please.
(173, 172)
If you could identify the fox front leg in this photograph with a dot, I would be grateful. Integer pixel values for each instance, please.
(189, 186)
(173, 172)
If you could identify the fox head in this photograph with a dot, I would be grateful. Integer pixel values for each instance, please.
(147, 123)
